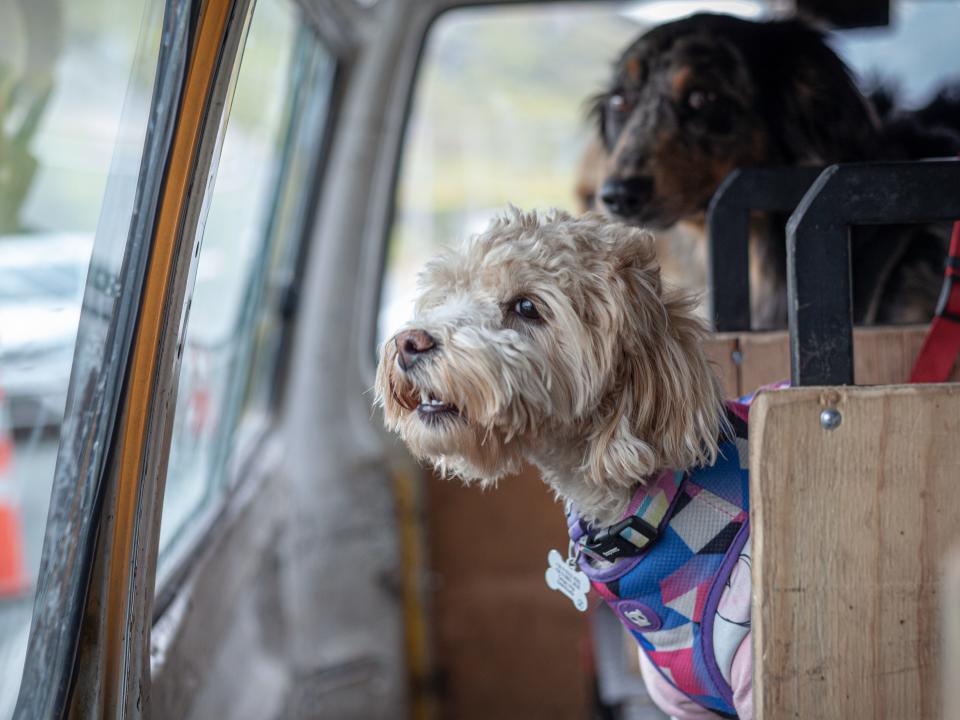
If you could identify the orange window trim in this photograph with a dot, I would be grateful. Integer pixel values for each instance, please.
(201, 75)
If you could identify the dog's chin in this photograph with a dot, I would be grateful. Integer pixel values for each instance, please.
(434, 430)
(438, 415)
(455, 447)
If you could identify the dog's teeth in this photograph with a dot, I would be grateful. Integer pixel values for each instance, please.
(424, 397)
(434, 401)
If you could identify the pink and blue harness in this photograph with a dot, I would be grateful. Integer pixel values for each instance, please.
(664, 568)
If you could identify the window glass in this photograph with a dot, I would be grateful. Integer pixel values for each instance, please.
(257, 215)
(498, 116)
(915, 55)
(68, 71)
(499, 111)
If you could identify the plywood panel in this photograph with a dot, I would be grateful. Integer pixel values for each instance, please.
(764, 359)
(506, 646)
(850, 528)
(885, 355)
(950, 616)
(882, 356)
(721, 349)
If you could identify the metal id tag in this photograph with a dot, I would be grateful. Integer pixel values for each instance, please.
(564, 575)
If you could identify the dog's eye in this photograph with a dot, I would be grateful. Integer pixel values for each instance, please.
(618, 103)
(525, 308)
(699, 99)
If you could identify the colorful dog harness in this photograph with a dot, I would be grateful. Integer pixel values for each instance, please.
(664, 567)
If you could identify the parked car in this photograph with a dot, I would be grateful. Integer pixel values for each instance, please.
(41, 291)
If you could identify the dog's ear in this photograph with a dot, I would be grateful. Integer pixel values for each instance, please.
(813, 106)
(664, 408)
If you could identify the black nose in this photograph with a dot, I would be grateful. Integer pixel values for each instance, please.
(628, 196)
(411, 344)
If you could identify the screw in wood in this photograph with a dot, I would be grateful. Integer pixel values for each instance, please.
(830, 419)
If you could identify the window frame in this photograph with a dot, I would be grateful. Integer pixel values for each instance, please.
(252, 433)
(89, 638)
(293, 292)
(387, 177)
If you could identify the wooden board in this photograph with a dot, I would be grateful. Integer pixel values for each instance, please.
(764, 359)
(882, 356)
(885, 355)
(721, 350)
(506, 646)
(850, 528)
(950, 616)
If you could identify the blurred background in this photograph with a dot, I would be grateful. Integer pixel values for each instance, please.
(76, 80)
(497, 114)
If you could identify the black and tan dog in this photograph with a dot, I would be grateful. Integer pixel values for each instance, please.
(693, 99)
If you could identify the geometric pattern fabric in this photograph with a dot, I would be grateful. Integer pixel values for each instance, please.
(668, 597)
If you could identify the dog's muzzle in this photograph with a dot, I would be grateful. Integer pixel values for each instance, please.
(627, 197)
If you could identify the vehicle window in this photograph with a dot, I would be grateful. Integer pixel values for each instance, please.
(258, 211)
(912, 56)
(24, 283)
(68, 71)
(499, 110)
(498, 115)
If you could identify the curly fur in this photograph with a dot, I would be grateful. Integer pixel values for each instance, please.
(607, 388)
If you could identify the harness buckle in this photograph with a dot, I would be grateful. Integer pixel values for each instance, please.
(613, 542)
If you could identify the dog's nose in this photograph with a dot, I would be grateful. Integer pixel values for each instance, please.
(627, 197)
(411, 344)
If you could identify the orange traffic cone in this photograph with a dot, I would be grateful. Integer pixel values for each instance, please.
(13, 573)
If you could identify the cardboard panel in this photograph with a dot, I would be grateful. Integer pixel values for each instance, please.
(850, 527)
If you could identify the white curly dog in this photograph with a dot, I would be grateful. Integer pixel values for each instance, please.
(551, 339)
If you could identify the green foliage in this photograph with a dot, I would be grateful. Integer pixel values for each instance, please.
(22, 100)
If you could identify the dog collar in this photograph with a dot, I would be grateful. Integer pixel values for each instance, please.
(646, 516)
